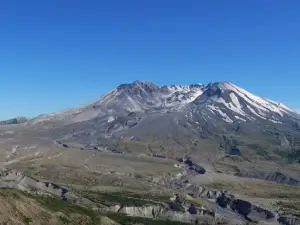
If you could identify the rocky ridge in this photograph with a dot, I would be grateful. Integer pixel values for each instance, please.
(17, 120)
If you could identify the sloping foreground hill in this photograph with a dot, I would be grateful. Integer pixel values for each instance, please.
(18, 208)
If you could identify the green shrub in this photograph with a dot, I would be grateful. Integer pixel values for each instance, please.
(122, 198)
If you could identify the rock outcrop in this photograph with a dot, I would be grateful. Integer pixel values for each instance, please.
(18, 180)
(17, 120)
(248, 210)
(289, 220)
(162, 212)
(277, 177)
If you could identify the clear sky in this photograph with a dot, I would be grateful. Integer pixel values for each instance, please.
(61, 53)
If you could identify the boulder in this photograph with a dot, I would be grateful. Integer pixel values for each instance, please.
(223, 200)
(241, 206)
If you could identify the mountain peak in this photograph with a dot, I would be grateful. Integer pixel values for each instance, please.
(226, 98)
(139, 82)
(222, 98)
(225, 85)
(138, 85)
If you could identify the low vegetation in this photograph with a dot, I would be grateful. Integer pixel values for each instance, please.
(123, 198)
(52, 210)
(126, 220)
(54, 204)
(289, 207)
(260, 189)
(259, 150)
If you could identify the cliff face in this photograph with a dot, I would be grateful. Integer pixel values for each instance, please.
(161, 212)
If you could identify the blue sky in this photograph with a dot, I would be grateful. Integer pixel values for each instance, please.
(59, 53)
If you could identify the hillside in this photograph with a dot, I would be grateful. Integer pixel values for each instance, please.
(131, 152)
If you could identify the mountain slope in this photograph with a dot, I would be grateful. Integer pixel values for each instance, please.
(220, 112)
(16, 120)
(130, 108)
(136, 97)
(223, 98)
(141, 97)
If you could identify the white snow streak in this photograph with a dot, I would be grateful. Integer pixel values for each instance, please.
(237, 108)
(224, 116)
(135, 105)
(275, 121)
(255, 113)
(239, 118)
(110, 119)
(260, 103)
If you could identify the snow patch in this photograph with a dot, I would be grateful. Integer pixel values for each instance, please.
(235, 100)
(211, 110)
(224, 116)
(275, 121)
(110, 119)
(237, 108)
(255, 113)
(260, 103)
(239, 118)
(135, 105)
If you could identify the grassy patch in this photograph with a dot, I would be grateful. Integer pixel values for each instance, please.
(64, 220)
(283, 192)
(159, 198)
(9, 192)
(69, 213)
(291, 156)
(259, 150)
(54, 204)
(287, 195)
(126, 220)
(219, 186)
(289, 207)
(123, 198)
